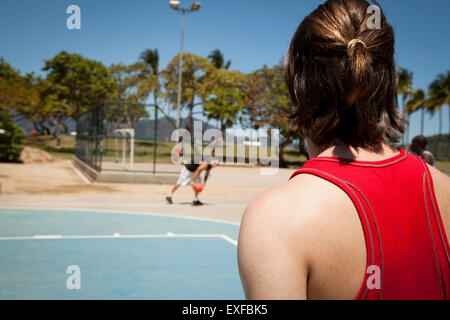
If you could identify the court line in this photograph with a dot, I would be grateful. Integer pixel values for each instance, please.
(227, 238)
(178, 205)
(123, 236)
(124, 212)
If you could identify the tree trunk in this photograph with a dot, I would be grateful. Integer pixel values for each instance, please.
(422, 122)
(57, 132)
(404, 114)
(283, 163)
(155, 96)
(440, 132)
(302, 148)
(205, 125)
(63, 124)
(408, 117)
(222, 127)
(36, 127)
(129, 121)
(189, 120)
(44, 129)
(448, 143)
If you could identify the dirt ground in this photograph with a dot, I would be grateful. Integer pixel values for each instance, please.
(57, 184)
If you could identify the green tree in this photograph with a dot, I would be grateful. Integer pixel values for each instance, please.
(217, 59)
(33, 99)
(21, 96)
(439, 96)
(197, 79)
(7, 72)
(78, 82)
(13, 89)
(151, 58)
(417, 101)
(267, 105)
(10, 138)
(48, 109)
(224, 100)
(405, 81)
(132, 86)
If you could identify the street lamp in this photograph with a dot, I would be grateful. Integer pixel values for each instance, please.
(175, 4)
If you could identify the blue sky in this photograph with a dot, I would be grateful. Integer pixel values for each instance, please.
(250, 33)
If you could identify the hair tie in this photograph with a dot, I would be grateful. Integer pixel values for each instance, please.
(353, 42)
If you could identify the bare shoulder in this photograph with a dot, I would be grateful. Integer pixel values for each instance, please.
(440, 178)
(295, 203)
(284, 200)
(281, 233)
(441, 185)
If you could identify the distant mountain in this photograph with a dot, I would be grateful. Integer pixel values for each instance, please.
(145, 128)
(27, 126)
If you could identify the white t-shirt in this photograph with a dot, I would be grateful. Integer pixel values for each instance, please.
(428, 153)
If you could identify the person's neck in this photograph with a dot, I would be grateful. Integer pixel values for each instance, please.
(341, 150)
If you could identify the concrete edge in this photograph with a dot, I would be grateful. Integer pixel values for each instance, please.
(123, 176)
(84, 169)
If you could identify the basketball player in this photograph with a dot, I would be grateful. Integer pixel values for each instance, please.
(362, 219)
(191, 174)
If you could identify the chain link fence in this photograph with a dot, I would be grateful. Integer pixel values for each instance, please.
(88, 143)
(124, 136)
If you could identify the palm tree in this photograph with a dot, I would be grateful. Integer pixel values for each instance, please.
(405, 89)
(417, 100)
(151, 58)
(439, 96)
(217, 59)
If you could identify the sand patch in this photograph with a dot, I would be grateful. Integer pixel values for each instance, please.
(33, 155)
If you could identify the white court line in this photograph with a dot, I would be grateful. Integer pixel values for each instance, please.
(58, 236)
(82, 176)
(124, 212)
(123, 236)
(227, 238)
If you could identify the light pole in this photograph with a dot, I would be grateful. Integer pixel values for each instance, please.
(174, 4)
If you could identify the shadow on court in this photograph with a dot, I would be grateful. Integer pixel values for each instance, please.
(190, 203)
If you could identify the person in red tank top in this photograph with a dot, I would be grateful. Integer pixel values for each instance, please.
(362, 219)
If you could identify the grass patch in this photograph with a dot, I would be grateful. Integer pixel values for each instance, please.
(444, 166)
(143, 149)
(48, 144)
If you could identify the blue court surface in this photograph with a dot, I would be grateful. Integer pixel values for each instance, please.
(118, 256)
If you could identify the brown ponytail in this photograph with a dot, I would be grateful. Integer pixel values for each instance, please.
(342, 78)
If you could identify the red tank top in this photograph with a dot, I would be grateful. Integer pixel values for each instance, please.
(407, 248)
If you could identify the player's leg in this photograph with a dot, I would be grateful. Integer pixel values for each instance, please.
(184, 179)
(196, 201)
(169, 196)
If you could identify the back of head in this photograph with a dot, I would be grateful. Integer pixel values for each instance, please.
(418, 144)
(341, 76)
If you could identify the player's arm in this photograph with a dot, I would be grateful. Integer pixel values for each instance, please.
(200, 168)
(206, 176)
(272, 265)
